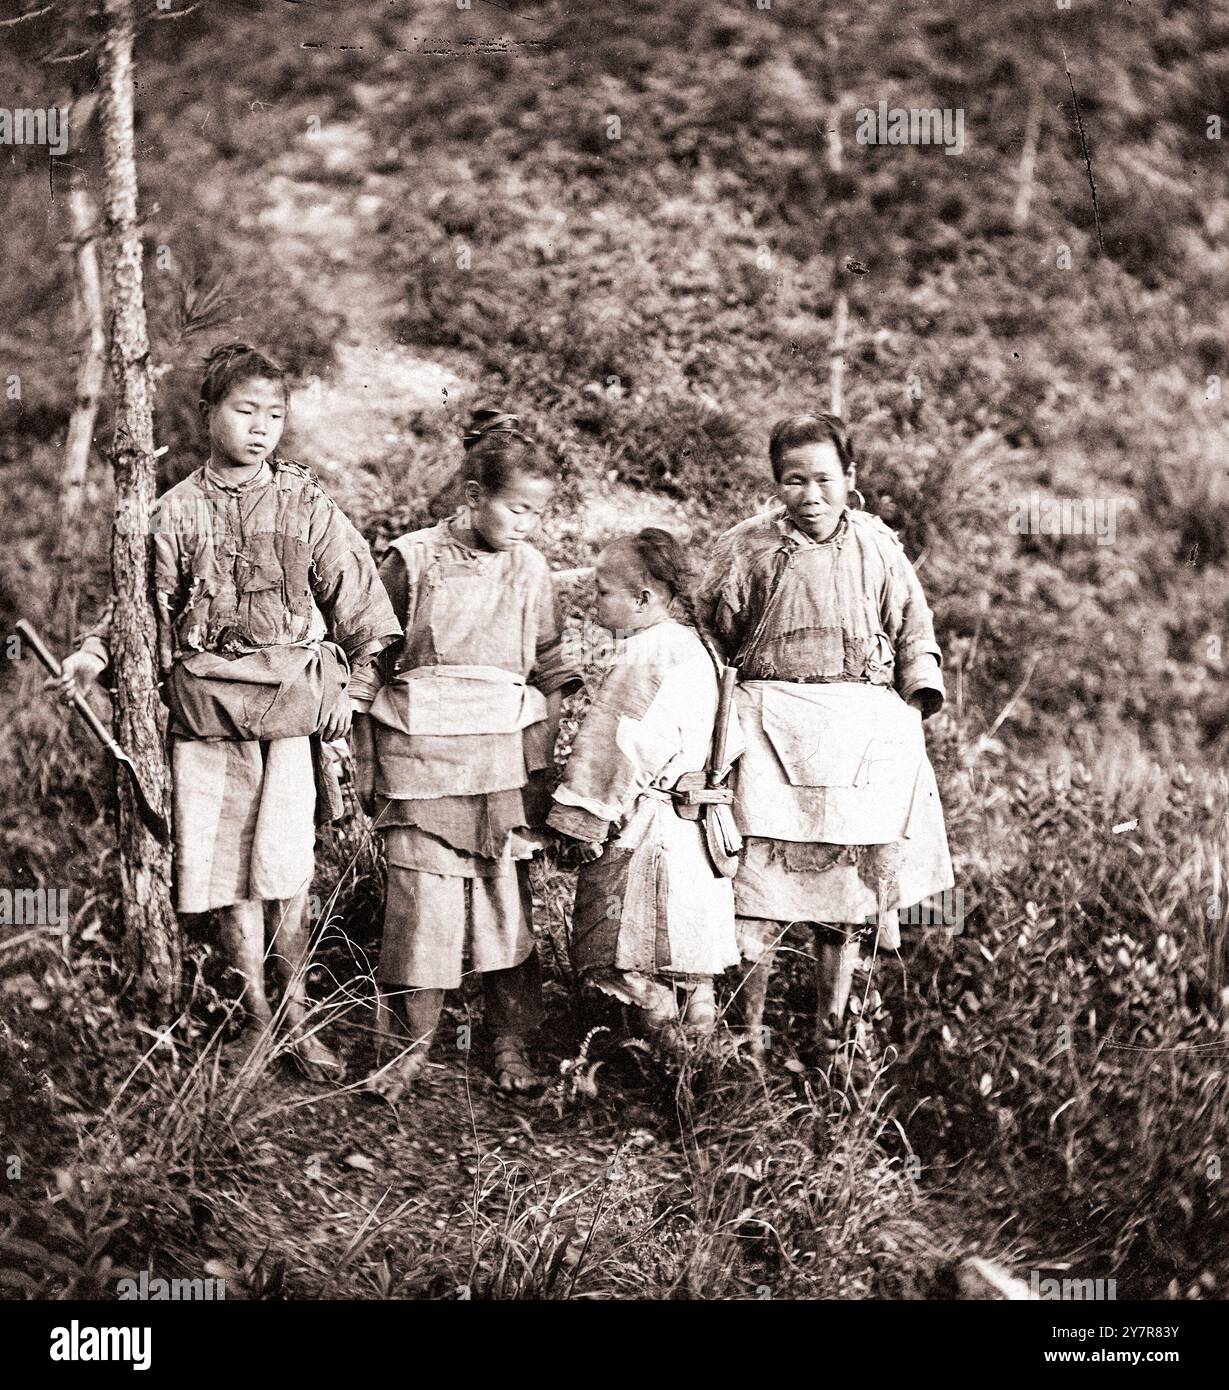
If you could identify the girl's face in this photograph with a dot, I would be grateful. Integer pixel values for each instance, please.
(625, 601)
(247, 423)
(814, 488)
(507, 518)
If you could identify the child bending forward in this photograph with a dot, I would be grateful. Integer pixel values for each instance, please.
(651, 914)
(462, 717)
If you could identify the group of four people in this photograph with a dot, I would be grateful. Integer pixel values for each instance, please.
(447, 669)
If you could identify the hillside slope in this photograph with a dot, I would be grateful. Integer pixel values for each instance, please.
(626, 227)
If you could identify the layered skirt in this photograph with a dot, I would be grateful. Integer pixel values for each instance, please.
(839, 808)
(449, 903)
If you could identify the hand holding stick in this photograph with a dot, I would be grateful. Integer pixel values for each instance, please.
(152, 819)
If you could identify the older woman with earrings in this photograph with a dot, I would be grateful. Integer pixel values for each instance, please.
(819, 607)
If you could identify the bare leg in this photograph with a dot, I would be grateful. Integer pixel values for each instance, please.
(243, 937)
(513, 1005)
(834, 967)
(408, 1020)
(290, 947)
(759, 937)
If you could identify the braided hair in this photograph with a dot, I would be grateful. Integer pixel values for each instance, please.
(660, 556)
(496, 451)
(235, 362)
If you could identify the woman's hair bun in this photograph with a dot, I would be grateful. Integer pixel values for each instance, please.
(497, 450)
(225, 351)
(483, 422)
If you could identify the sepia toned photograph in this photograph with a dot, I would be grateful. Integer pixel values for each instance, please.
(616, 661)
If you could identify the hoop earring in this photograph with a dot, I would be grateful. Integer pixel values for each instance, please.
(861, 499)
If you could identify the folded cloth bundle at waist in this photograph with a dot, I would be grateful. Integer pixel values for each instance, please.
(274, 692)
(457, 731)
(458, 700)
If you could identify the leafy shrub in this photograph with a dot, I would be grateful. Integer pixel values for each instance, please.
(1060, 1047)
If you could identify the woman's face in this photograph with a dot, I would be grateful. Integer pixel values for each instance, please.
(814, 488)
(507, 518)
(247, 423)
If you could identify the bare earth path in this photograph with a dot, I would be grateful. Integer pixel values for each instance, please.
(322, 208)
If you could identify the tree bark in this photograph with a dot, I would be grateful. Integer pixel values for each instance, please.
(151, 931)
(91, 369)
(840, 306)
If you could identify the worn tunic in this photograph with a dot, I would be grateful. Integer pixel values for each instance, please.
(459, 726)
(652, 904)
(269, 563)
(834, 795)
(266, 595)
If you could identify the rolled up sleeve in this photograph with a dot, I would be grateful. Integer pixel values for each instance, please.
(370, 675)
(919, 659)
(577, 823)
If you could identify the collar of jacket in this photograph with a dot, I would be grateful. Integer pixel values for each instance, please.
(263, 475)
(454, 527)
(797, 538)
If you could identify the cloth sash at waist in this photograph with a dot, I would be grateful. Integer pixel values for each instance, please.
(457, 731)
(275, 692)
(458, 700)
(838, 763)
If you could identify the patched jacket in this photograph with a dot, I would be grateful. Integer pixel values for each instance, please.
(271, 562)
(786, 607)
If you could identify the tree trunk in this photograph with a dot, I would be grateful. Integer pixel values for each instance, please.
(150, 929)
(840, 333)
(1028, 159)
(91, 368)
(840, 308)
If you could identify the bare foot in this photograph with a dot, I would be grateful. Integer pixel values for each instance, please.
(699, 1037)
(666, 1035)
(511, 1065)
(392, 1081)
(727, 1046)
